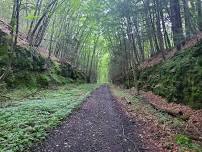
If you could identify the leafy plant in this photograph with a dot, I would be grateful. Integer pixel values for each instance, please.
(186, 143)
(27, 121)
(183, 140)
(31, 17)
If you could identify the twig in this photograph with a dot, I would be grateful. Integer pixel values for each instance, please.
(2, 76)
(123, 130)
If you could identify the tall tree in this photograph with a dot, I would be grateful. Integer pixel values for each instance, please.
(199, 9)
(159, 29)
(176, 21)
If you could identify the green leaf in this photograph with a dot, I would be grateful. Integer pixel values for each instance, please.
(75, 4)
(31, 17)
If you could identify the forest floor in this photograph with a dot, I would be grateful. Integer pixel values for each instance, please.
(108, 120)
(164, 125)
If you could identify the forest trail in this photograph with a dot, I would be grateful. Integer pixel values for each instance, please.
(100, 125)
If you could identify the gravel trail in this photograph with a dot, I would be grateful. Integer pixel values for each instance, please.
(99, 126)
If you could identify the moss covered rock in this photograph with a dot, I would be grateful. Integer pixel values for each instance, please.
(68, 71)
(28, 59)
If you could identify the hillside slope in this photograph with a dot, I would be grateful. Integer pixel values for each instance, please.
(179, 79)
(29, 65)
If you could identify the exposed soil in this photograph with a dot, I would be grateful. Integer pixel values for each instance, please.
(99, 126)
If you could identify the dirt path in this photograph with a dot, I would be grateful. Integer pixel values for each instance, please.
(99, 126)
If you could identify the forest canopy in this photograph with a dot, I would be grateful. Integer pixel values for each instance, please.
(83, 31)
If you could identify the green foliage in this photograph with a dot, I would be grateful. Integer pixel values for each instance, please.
(27, 122)
(75, 4)
(28, 70)
(31, 17)
(186, 143)
(43, 80)
(27, 59)
(21, 78)
(3, 55)
(103, 70)
(183, 140)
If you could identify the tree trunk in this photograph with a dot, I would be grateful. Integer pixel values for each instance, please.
(148, 27)
(159, 33)
(199, 8)
(166, 36)
(37, 7)
(176, 21)
(189, 26)
(92, 58)
(17, 21)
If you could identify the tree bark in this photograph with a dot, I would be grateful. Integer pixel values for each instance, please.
(91, 62)
(199, 10)
(189, 23)
(159, 33)
(176, 21)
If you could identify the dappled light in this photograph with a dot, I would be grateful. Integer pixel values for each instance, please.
(103, 70)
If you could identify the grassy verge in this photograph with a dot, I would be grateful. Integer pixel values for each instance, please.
(171, 126)
(27, 121)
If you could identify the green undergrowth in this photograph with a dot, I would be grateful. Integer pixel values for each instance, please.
(36, 79)
(186, 144)
(179, 79)
(27, 121)
(138, 105)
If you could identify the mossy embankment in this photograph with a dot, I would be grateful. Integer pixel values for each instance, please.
(178, 79)
(26, 67)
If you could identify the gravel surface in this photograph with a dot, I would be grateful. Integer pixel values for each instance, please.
(99, 126)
